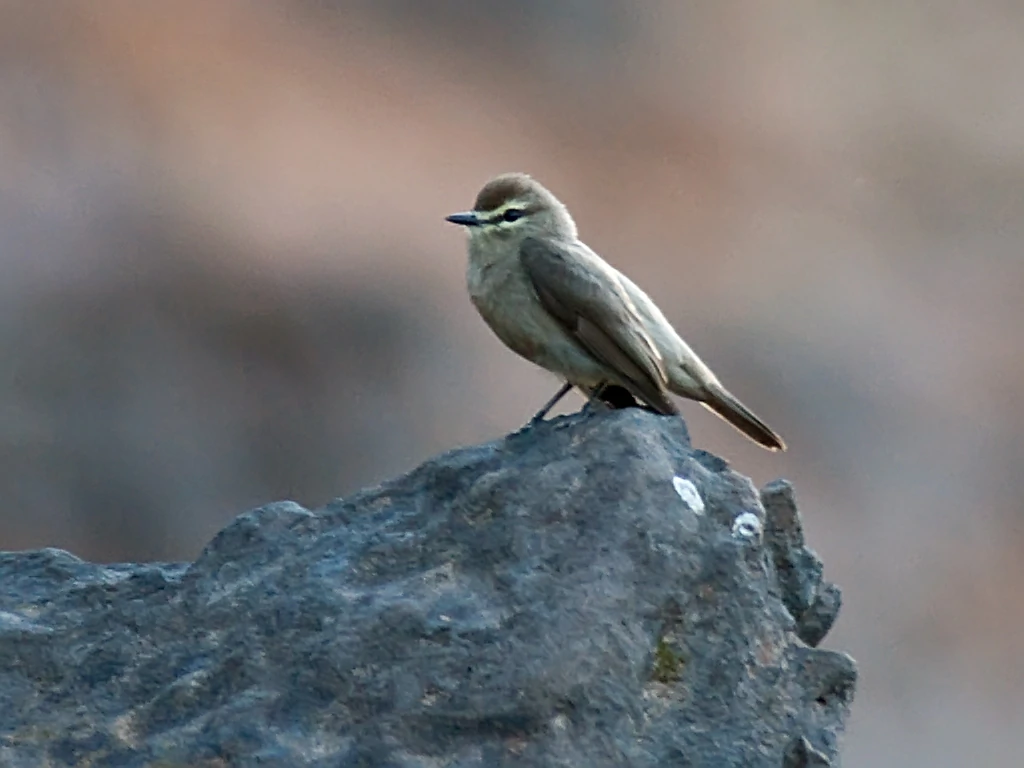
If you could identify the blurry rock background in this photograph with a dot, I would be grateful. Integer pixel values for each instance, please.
(225, 278)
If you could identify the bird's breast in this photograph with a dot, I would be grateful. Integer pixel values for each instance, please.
(507, 301)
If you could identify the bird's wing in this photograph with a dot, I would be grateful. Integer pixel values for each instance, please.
(596, 311)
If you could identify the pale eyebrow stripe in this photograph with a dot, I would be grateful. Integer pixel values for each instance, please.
(495, 216)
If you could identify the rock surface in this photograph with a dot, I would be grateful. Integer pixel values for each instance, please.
(591, 592)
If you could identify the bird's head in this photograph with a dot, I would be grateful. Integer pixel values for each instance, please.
(512, 207)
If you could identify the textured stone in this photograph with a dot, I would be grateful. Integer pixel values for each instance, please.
(589, 592)
(813, 603)
(800, 754)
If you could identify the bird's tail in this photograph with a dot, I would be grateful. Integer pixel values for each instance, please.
(723, 403)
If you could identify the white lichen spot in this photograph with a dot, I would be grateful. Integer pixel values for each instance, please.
(747, 525)
(124, 729)
(688, 493)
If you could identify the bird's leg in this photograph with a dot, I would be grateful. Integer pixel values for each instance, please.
(615, 396)
(595, 400)
(539, 416)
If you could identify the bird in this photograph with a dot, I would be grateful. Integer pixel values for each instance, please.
(552, 300)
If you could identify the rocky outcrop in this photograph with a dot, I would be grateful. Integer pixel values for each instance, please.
(590, 592)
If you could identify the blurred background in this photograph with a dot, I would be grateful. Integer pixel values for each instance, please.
(225, 278)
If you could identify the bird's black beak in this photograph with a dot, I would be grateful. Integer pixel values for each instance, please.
(464, 219)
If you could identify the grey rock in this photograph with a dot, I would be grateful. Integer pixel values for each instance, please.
(800, 754)
(812, 602)
(548, 599)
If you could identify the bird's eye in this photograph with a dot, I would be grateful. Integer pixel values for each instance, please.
(513, 214)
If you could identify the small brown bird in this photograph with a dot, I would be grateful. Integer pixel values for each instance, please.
(554, 301)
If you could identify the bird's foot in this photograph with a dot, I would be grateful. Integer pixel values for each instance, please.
(538, 417)
(615, 397)
(608, 397)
